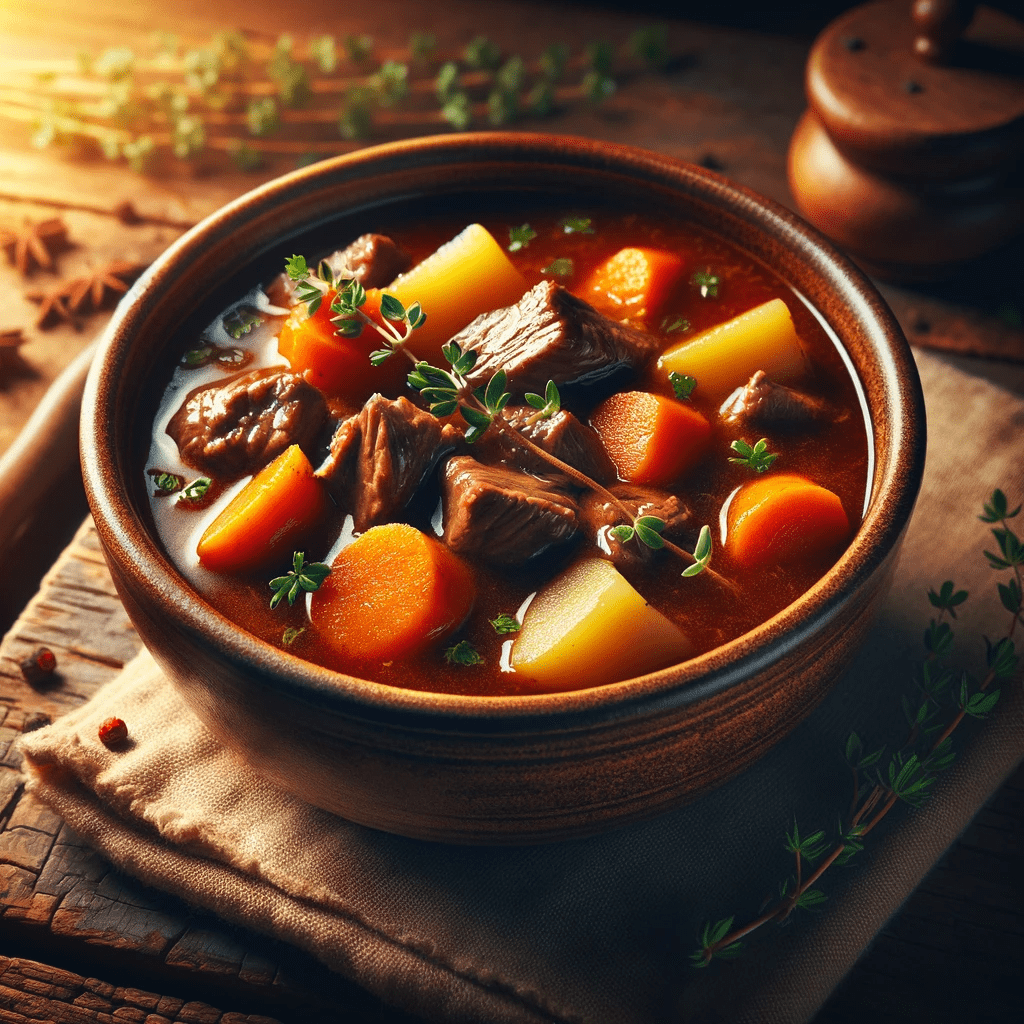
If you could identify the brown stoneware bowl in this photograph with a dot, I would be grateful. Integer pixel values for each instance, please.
(506, 769)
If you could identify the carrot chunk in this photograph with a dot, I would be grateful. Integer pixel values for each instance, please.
(278, 504)
(650, 439)
(634, 282)
(784, 518)
(339, 367)
(392, 593)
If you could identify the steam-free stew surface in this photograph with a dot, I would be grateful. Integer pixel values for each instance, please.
(834, 455)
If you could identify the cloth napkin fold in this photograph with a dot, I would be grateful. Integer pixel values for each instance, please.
(593, 930)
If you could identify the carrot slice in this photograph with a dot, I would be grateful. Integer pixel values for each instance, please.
(784, 518)
(634, 282)
(392, 593)
(651, 439)
(339, 367)
(278, 504)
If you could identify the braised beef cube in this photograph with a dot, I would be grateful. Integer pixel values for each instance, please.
(549, 334)
(379, 458)
(564, 437)
(372, 260)
(502, 516)
(599, 517)
(231, 429)
(769, 406)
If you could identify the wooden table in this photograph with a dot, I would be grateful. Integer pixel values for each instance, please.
(79, 941)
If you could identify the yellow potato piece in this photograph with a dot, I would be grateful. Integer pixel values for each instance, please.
(467, 276)
(588, 626)
(725, 357)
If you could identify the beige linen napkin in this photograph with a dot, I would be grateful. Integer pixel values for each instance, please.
(596, 930)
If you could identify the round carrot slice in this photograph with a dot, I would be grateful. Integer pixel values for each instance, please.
(784, 518)
(391, 594)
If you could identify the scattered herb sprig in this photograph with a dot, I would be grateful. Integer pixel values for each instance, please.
(941, 700)
(188, 102)
(303, 578)
(757, 458)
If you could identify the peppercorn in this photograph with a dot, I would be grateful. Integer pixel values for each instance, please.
(113, 732)
(38, 665)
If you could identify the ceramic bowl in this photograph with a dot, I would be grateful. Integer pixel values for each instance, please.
(471, 769)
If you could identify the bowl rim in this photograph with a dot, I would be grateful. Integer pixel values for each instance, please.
(894, 488)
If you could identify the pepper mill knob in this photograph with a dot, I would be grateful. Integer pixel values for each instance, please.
(940, 24)
(915, 166)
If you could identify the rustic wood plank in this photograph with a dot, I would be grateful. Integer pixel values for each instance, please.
(32, 992)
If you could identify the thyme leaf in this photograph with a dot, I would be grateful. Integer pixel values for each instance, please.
(304, 577)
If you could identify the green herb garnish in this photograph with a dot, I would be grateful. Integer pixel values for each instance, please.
(650, 44)
(701, 553)
(675, 324)
(505, 624)
(561, 266)
(707, 282)
(241, 321)
(462, 653)
(576, 225)
(302, 579)
(646, 529)
(358, 48)
(682, 385)
(520, 237)
(198, 356)
(291, 634)
(481, 54)
(165, 483)
(547, 404)
(323, 53)
(757, 458)
(196, 490)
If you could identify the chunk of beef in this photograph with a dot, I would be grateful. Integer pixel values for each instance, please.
(549, 334)
(379, 458)
(766, 405)
(230, 429)
(372, 260)
(502, 516)
(599, 517)
(562, 435)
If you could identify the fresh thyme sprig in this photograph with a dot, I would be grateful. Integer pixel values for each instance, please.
(303, 578)
(463, 653)
(190, 102)
(943, 700)
(349, 298)
(448, 390)
(757, 458)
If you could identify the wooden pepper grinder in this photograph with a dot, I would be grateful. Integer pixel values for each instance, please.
(911, 154)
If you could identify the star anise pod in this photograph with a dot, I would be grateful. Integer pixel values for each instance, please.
(33, 245)
(84, 294)
(53, 308)
(93, 288)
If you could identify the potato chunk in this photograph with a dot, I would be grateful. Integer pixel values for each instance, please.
(467, 276)
(723, 358)
(588, 627)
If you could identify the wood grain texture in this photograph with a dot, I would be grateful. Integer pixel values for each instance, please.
(60, 897)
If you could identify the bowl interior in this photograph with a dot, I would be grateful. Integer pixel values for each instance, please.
(310, 210)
